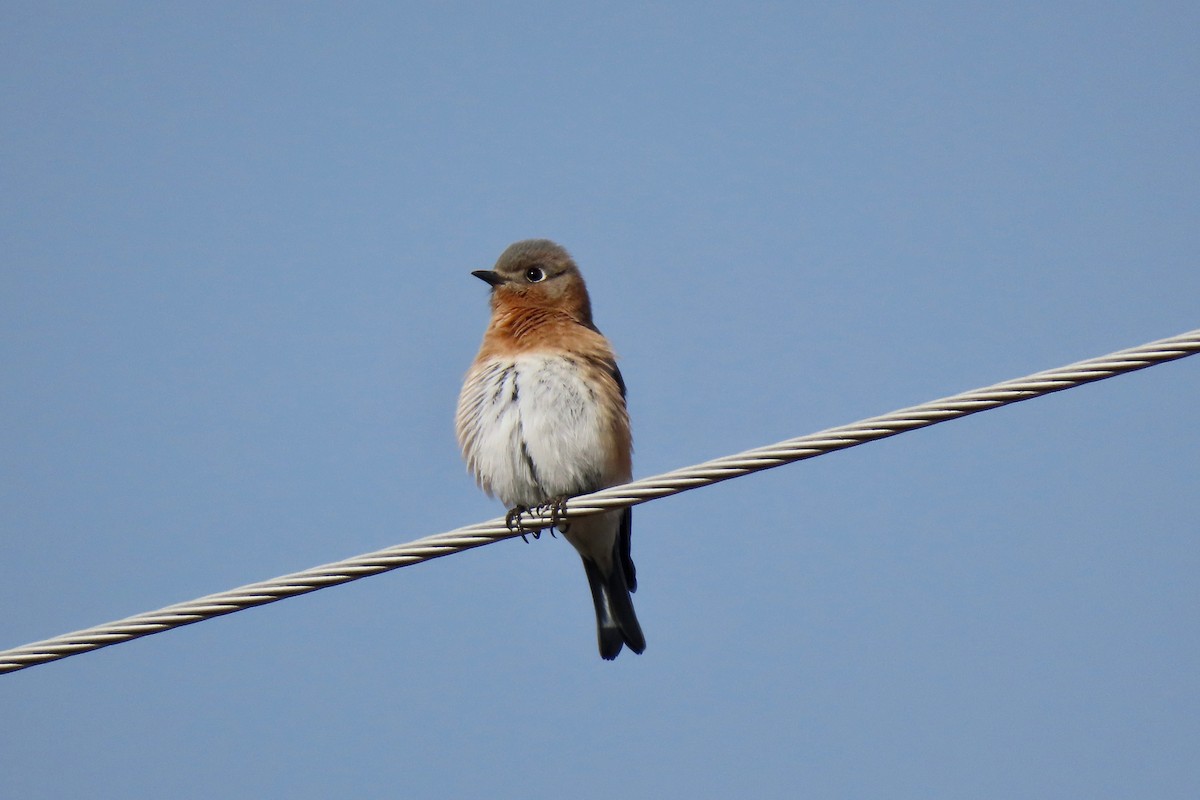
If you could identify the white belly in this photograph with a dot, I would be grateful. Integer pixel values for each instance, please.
(531, 429)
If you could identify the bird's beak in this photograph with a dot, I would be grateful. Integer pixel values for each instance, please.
(490, 277)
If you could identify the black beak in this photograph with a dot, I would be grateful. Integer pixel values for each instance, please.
(488, 276)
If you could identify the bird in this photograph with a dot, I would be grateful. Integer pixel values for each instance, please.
(542, 417)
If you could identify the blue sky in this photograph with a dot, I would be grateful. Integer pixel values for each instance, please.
(235, 310)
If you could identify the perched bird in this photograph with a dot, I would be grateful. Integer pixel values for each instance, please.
(542, 417)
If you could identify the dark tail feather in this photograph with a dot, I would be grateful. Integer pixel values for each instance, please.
(625, 549)
(616, 622)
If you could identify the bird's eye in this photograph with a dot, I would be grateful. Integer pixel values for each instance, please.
(535, 275)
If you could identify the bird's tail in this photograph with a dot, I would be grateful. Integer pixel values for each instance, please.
(616, 623)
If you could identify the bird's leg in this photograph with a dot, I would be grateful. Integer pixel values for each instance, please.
(512, 521)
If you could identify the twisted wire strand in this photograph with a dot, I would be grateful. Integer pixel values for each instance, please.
(633, 493)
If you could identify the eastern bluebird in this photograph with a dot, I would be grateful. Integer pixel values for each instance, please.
(542, 417)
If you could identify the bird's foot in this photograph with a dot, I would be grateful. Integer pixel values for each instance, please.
(556, 507)
(512, 521)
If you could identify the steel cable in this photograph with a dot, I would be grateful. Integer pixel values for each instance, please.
(633, 493)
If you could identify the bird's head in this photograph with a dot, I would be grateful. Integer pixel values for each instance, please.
(541, 274)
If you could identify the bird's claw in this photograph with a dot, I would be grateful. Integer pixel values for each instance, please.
(557, 508)
(512, 521)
